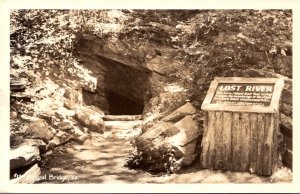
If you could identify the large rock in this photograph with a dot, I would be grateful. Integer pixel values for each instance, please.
(169, 146)
(156, 130)
(38, 130)
(151, 119)
(90, 118)
(24, 155)
(186, 109)
(183, 142)
(188, 131)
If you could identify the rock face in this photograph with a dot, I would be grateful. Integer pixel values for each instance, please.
(171, 143)
(90, 118)
(121, 83)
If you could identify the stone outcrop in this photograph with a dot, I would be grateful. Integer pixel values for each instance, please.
(171, 143)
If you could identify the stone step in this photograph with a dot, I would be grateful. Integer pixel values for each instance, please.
(122, 125)
(122, 117)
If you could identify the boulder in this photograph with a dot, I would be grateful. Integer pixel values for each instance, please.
(24, 155)
(155, 131)
(188, 131)
(38, 130)
(90, 118)
(163, 65)
(149, 120)
(179, 113)
(169, 146)
(186, 109)
(13, 114)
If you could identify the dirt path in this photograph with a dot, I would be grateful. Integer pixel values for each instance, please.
(102, 157)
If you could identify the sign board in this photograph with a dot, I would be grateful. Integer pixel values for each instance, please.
(244, 94)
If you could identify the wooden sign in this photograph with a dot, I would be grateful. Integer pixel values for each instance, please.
(241, 125)
(244, 94)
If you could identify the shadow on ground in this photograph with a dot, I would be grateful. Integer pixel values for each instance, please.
(101, 160)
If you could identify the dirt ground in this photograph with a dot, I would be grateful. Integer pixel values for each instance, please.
(102, 157)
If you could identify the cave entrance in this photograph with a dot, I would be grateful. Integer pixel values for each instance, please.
(125, 88)
(121, 88)
(123, 105)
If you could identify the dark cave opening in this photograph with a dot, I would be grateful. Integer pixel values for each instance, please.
(122, 105)
(125, 88)
(121, 88)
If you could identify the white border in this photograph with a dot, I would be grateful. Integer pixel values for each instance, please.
(6, 5)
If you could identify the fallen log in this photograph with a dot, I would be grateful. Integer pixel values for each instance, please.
(23, 156)
(29, 177)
